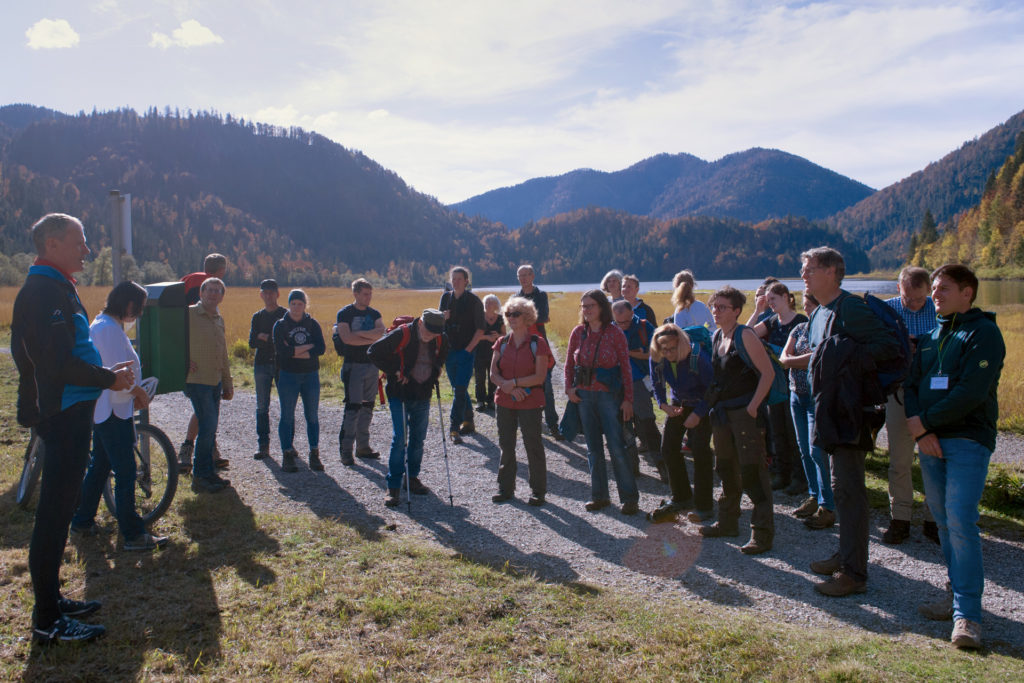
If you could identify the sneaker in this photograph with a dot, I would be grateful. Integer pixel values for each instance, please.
(185, 457)
(827, 567)
(595, 505)
(502, 497)
(536, 500)
(807, 508)
(78, 608)
(930, 530)
(823, 518)
(467, 428)
(314, 460)
(288, 461)
(630, 508)
(392, 498)
(368, 454)
(417, 488)
(698, 516)
(456, 439)
(347, 460)
(940, 610)
(67, 630)
(841, 584)
(208, 484)
(145, 541)
(719, 530)
(898, 531)
(263, 452)
(668, 511)
(966, 634)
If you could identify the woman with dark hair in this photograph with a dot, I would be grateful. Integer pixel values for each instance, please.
(113, 436)
(519, 367)
(689, 311)
(298, 345)
(599, 379)
(787, 470)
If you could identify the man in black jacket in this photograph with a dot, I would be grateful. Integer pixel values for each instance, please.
(411, 356)
(60, 378)
(822, 272)
(264, 370)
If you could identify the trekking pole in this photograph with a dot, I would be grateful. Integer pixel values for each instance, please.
(408, 479)
(444, 444)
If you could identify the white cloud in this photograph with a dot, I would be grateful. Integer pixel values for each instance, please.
(190, 34)
(48, 34)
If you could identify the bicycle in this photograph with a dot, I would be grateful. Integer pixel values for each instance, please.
(156, 478)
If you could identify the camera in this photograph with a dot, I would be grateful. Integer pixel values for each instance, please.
(583, 376)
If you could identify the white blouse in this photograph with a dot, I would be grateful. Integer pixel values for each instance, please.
(114, 346)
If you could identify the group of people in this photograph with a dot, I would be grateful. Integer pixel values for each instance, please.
(713, 377)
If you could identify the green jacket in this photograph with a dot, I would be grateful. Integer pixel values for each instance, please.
(967, 349)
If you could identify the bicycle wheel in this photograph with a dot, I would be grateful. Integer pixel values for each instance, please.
(156, 474)
(30, 471)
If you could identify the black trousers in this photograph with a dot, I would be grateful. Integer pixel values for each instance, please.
(851, 496)
(703, 461)
(66, 439)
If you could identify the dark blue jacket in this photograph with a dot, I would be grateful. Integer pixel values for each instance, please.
(689, 385)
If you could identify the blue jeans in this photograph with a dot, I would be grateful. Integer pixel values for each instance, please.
(952, 487)
(599, 415)
(263, 378)
(205, 400)
(291, 385)
(113, 448)
(411, 413)
(815, 461)
(459, 366)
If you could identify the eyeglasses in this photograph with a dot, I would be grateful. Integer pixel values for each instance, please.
(513, 314)
(721, 307)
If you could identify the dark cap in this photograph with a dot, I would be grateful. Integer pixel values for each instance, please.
(268, 284)
(297, 294)
(433, 320)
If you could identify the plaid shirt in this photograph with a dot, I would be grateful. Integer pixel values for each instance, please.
(919, 323)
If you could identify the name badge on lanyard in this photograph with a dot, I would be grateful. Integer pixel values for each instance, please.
(940, 382)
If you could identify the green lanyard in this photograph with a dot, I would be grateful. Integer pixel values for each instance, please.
(942, 342)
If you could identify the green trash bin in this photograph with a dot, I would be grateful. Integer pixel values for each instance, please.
(163, 336)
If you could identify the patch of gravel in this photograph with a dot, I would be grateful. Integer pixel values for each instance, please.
(562, 542)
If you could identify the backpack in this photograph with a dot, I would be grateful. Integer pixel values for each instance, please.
(533, 349)
(892, 372)
(700, 338)
(403, 322)
(779, 391)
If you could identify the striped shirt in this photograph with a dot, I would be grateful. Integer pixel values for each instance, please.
(919, 323)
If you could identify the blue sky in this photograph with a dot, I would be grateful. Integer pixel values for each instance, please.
(462, 97)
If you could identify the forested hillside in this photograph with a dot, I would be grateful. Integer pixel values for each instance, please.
(988, 237)
(750, 186)
(885, 221)
(297, 206)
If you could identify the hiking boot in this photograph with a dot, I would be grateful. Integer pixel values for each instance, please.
(208, 484)
(595, 505)
(347, 460)
(630, 508)
(367, 453)
(185, 457)
(760, 542)
(898, 531)
(780, 481)
(536, 500)
(456, 439)
(668, 511)
(966, 634)
(796, 487)
(467, 428)
(827, 567)
(807, 508)
(145, 541)
(417, 488)
(841, 584)
(67, 630)
(699, 516)
(940, 610)
(502, 497)
(288, 461)
(823, 518)
(263, 453)
(85, 531)
(78, 608)
(392, 498)
(719, 530)
(930, 530)
(314, 460)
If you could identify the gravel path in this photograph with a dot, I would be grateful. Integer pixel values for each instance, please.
(560, 541)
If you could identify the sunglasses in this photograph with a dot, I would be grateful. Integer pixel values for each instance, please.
(513, 314)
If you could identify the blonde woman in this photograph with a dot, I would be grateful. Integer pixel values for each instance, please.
(689, 311)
